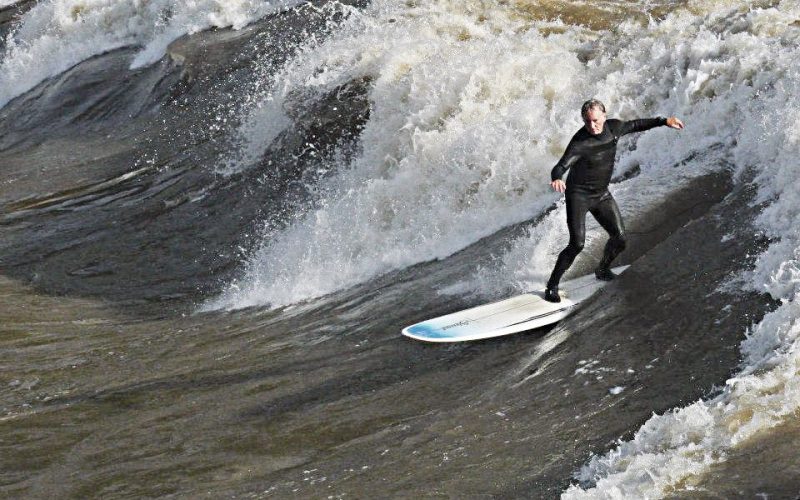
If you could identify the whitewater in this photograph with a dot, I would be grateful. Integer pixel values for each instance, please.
(458, 111)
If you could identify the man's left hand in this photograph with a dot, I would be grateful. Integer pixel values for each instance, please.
(674, 122)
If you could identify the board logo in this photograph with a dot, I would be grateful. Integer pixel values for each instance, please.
(463, 322)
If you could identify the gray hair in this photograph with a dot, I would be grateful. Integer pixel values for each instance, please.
(590, 104)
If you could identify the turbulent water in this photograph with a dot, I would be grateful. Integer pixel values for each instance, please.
(216, 217)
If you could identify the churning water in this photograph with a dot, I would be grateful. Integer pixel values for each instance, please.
(217, 216)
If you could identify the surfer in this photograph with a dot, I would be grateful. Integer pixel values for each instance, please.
(590, 158)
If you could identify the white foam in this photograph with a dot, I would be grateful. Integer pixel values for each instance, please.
(464, 124)
(57, 34)
(686, 442)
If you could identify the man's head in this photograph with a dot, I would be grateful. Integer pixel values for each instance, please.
(593, 113)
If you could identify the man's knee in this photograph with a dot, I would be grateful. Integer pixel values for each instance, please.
(575, 247)
(619, 241)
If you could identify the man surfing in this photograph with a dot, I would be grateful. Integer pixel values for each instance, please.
(590, 159)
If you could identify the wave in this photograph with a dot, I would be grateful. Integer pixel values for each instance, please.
(470, 107)
(57, 34)
(449, 154)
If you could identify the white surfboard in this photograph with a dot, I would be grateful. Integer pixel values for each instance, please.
(517, 314)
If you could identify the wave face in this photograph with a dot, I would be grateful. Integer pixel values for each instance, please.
(300, 182)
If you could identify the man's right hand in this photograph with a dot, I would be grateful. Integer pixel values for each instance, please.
(673, 122)
(558, 185)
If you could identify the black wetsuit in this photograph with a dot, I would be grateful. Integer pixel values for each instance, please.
(590, 159)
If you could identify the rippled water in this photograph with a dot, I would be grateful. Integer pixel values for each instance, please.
(210, 243)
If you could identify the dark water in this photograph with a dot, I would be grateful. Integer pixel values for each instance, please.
(115, 226)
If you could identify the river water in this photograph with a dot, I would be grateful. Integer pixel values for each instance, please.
(216, 218)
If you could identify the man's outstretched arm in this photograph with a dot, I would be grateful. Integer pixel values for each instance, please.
(643, 124)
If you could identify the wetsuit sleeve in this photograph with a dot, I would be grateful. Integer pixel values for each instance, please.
(568, 159)
(640, 125)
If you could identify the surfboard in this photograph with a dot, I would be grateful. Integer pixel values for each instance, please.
(512, 315)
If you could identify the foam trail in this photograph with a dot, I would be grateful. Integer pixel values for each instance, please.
(57, 34)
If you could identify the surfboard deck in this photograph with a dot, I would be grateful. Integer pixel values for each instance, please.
(512, 315)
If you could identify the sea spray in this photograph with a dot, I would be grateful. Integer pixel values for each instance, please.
(465, 116)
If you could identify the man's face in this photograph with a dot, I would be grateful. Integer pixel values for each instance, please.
(593, 120)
